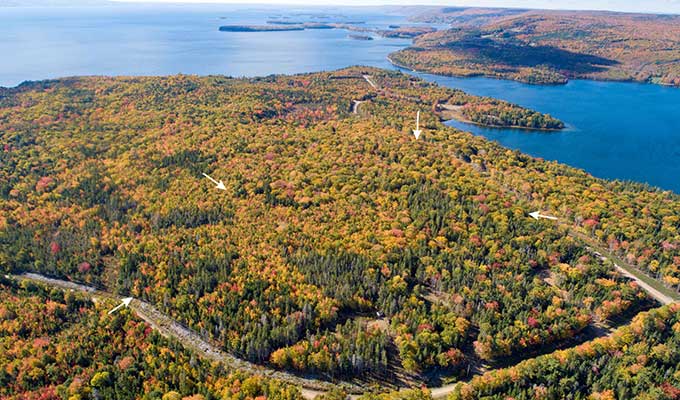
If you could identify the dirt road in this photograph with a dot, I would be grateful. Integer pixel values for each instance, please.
(190, 339)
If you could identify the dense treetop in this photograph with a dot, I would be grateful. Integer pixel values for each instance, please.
(57, 345)
(342, 246)
(640, 361)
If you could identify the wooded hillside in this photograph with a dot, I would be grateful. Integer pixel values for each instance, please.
(341, 246)
(549, 47)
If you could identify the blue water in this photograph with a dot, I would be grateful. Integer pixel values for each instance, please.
(616, 130)
(40, 43)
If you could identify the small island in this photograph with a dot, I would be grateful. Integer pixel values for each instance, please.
(406, 32)
(284, 26)
(278, 25)
(283, 22)
(260, 28)
(360, 37)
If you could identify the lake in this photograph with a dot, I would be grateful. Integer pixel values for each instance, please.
(40, 43)
(616, 130)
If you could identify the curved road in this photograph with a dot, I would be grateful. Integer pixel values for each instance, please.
(190, 339)
(310, 388)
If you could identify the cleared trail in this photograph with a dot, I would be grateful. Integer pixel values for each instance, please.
(355, 106)
(660, 297)
(310, 388)
(649, 284)
(370, 82)
(189, 338)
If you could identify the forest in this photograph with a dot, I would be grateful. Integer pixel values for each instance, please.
(51, 348)
(640, 361)
(548, 47)
(61, 345)
(456, 104)
(342, 247)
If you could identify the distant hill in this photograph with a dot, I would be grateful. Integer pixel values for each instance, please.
(548, 47)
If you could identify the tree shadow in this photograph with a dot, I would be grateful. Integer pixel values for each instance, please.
(520, 54)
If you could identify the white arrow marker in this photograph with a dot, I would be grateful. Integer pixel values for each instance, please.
(537, 214)
(219, 185)
(417, 131)
(125, 303)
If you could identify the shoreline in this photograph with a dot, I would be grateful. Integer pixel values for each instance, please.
(481, 75)
(569, 79)
(456, 116)
(396, 64)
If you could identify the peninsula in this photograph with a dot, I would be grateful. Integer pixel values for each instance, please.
(401, 32)
(548, 47)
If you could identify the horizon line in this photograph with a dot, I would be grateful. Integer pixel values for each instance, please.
(385, 3)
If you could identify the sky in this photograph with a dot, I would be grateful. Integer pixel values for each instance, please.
(649, 6)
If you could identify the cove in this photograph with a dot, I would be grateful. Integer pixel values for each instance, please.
(615, 130)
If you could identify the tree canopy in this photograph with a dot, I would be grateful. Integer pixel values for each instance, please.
(341, 246)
